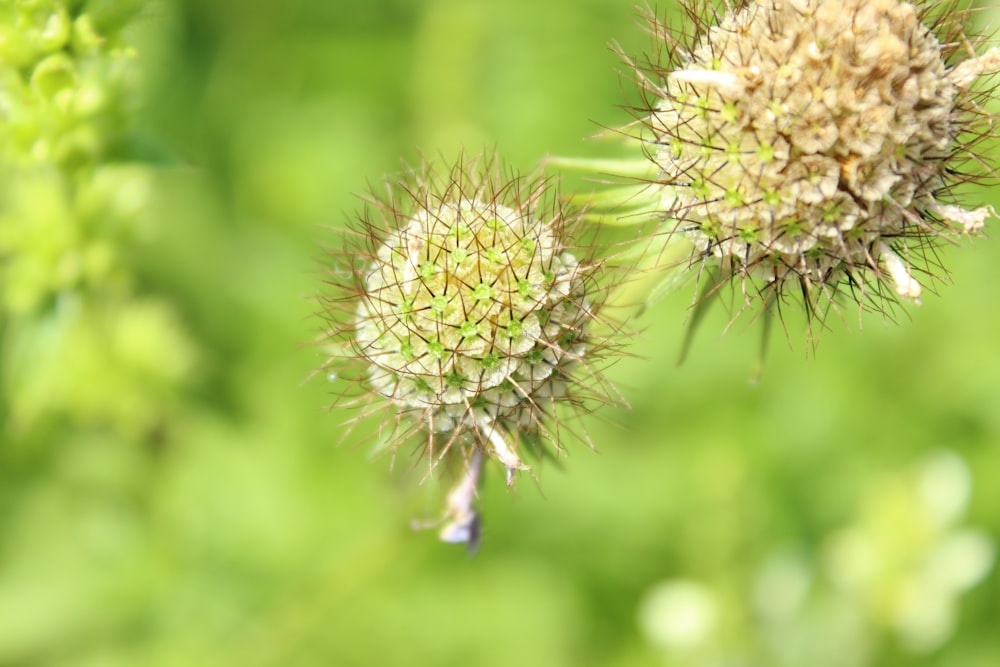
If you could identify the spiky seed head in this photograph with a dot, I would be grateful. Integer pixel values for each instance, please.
(465, 310)
(466, 303)
(814, 144)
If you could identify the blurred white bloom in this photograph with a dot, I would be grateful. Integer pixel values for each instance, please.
(945, 486)
(905, 561)
(679, 615)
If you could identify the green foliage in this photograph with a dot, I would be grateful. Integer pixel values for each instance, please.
(170, 488)
(81, 343)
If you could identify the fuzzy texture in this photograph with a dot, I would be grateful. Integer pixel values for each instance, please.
(465, 311)
(816, 143)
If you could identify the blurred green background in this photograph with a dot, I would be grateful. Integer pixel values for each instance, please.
(171, 492)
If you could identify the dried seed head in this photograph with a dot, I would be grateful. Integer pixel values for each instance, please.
(816, 143)
(465, 310)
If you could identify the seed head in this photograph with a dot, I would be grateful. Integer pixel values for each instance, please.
(466, 312)
(815, 144)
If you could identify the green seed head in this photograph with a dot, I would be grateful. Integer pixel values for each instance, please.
(467, 313)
